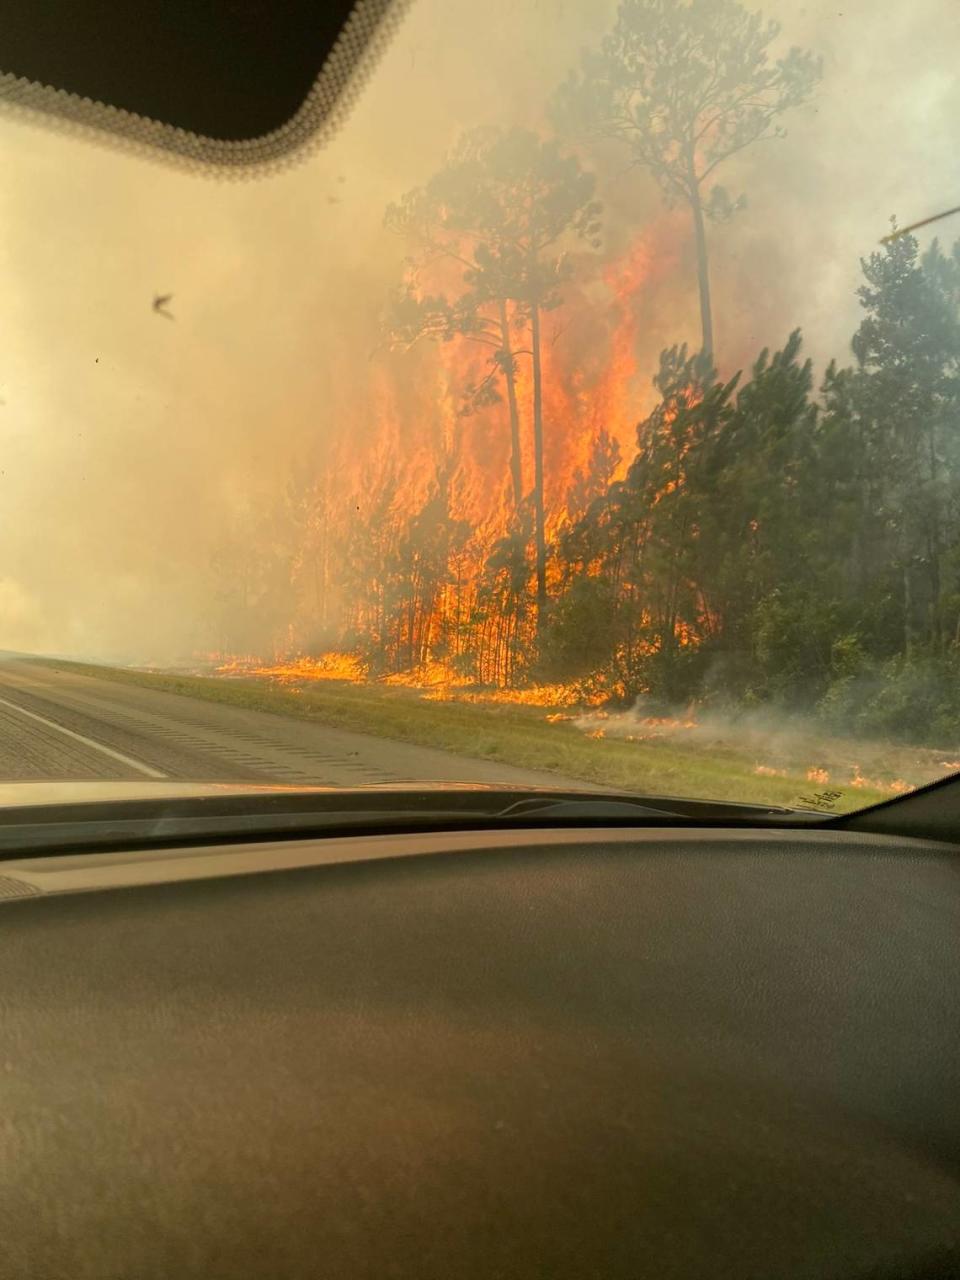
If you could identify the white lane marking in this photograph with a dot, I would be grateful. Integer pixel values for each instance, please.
(87, 742)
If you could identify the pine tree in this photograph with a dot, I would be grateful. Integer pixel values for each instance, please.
(900, 422)
(686, 85)
(523, 199)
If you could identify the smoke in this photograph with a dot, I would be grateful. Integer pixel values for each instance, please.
(131, 446)
(773, 744)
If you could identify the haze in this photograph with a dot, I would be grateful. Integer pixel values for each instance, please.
(131, 445)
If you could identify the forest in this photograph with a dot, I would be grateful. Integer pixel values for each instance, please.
(751, 536)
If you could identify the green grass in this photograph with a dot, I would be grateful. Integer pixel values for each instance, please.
(508, 733)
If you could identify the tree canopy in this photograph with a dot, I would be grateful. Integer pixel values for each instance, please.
(685, 85)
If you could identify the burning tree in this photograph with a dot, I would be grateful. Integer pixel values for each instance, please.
(686, 84)
(717, 526)
(502, 210)
(445, 256)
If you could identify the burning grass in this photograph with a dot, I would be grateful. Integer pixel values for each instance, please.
(329, 666)
(679, 755)
(435, 682)
(782, 747)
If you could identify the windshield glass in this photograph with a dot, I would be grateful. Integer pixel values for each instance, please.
(564, 420)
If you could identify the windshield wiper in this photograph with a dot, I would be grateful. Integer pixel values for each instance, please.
(594, 807)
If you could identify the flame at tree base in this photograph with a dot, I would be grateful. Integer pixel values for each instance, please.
(435, 681)
(329, 666)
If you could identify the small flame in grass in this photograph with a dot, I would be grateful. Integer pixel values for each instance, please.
(818, 775)
(631, 727)
(432, 675)
(438, 682)
(950, 764)
(765, 771)
(896, 787)
(541, 695)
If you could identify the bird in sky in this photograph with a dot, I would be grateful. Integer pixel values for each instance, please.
(160, 304)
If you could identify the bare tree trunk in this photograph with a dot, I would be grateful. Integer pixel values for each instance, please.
(907, 611)
(457, 609)
(320, 561)
(508, 650)
(485, 650)
(935, 624)
(510, 377)
(541, 536)
(934, 544)
(498, 651)
(703, 266)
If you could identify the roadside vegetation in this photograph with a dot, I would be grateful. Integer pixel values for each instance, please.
(703, 763)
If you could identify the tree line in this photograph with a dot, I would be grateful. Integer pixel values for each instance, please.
(773, 542)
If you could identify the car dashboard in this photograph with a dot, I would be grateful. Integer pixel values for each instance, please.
(658, 1052)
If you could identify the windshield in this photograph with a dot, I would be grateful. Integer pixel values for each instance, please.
(565, 420)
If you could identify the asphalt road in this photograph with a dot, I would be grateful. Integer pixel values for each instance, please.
(58, 725)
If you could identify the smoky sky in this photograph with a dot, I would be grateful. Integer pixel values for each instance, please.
(130, 444)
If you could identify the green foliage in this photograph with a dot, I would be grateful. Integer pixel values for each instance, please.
(767, 548)
(580, 631)
(794, 637)
(914, 699)
(893, 420)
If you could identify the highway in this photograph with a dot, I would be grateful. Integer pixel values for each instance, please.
(56, 725)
